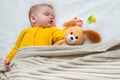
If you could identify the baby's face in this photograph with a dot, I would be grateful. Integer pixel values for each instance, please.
(45, 17)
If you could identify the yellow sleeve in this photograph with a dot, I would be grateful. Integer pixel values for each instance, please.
(12, 53)
(58, 34)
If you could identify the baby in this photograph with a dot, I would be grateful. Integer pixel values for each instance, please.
(42, 33)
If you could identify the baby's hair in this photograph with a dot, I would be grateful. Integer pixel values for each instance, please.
(36, 6)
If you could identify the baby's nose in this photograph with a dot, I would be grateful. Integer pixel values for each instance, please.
(52, 18)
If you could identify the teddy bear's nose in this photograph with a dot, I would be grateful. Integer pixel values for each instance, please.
(71, 38)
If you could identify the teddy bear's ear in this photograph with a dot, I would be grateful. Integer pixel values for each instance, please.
(69, 24)
(93, 36)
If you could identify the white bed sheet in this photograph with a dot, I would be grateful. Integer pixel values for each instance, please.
(13, 17)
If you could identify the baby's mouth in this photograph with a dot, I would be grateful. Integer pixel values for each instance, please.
(51, 21)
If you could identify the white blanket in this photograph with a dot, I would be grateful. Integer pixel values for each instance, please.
(87, 62)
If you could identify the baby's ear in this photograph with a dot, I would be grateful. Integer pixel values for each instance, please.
(93, 36)
(69, 24)
(32, 19)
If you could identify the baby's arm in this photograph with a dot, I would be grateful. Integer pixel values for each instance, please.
(12, 53)
(58, 35)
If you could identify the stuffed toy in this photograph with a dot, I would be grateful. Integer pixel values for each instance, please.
(75, 35)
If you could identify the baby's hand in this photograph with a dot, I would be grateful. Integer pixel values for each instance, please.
(6, 64)
(79, 21)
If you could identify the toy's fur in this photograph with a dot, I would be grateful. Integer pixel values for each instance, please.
(74, 35)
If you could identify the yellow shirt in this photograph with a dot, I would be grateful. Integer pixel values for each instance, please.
(36, 36)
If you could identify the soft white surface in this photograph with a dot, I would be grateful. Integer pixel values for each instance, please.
(13, 17)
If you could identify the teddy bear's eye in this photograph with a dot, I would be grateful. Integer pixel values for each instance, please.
(71, 32)
(76, 37)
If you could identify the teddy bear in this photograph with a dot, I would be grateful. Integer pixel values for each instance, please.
(75, 35)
